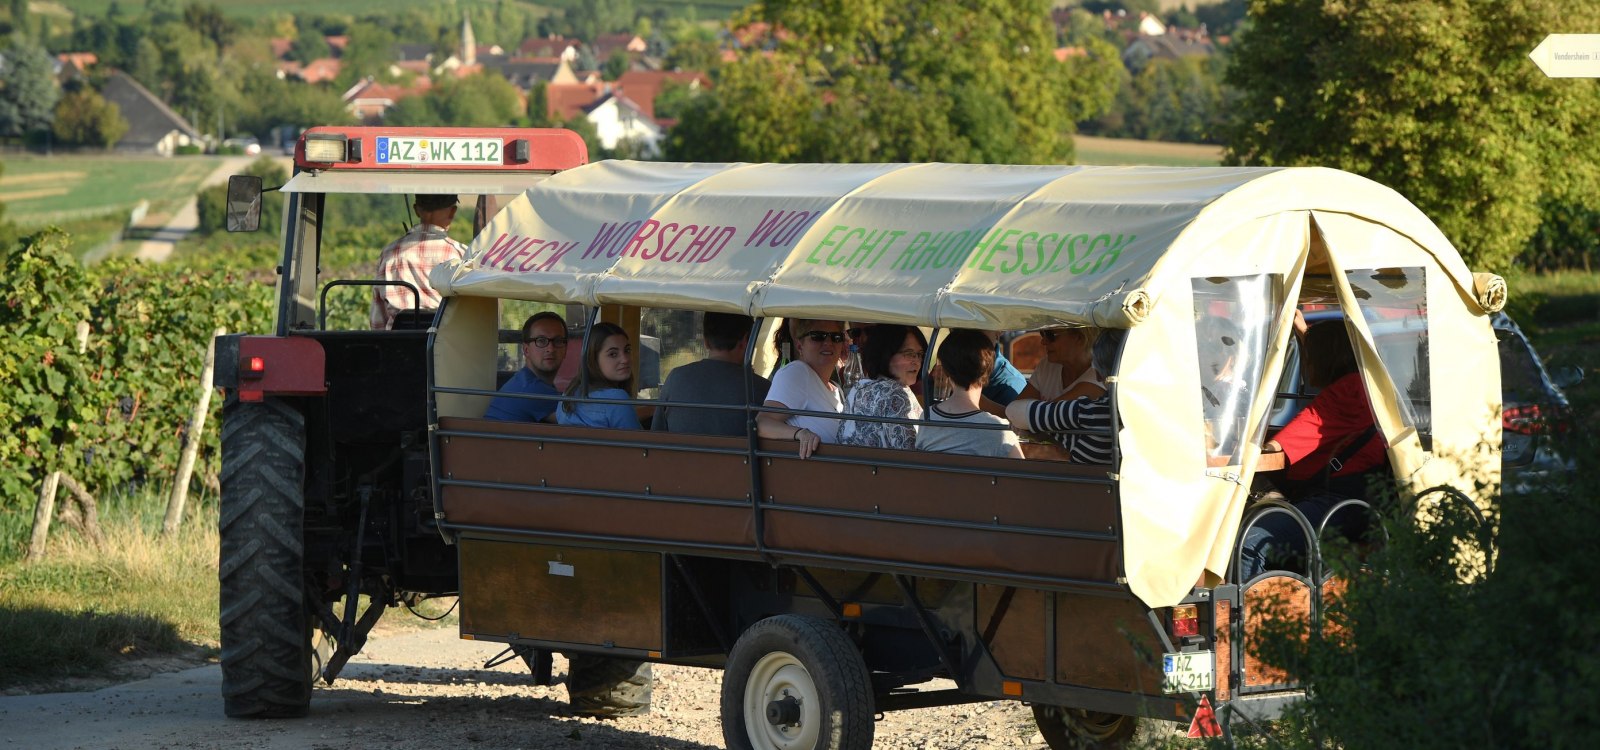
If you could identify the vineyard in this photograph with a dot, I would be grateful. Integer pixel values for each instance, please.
(101, 364)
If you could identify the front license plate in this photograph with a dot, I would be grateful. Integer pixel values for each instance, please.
(456, 151)
(1188, 672)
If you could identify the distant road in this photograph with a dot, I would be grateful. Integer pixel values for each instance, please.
(159, 246)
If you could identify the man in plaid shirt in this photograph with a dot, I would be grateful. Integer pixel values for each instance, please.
(412, 257)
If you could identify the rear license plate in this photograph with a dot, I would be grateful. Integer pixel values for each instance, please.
(1188, 672)
(454, 151)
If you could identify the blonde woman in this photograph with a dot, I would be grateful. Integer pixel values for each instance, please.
(820, 347)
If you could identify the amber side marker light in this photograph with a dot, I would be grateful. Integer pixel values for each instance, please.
(1011, 688)
(1185, 620)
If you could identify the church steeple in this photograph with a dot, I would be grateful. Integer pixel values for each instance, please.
(469, 42)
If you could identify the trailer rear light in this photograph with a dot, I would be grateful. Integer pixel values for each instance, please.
(1185, 621)
(327, 148)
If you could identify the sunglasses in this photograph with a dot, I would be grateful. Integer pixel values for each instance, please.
(855, 333)
(913, 353)
(544, 341)
(818, 337)
(1050, 337)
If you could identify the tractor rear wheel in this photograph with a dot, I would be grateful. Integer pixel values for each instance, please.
(266, 628)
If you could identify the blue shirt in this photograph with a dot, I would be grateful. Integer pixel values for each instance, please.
(1005, 381)
(591, 414)
(523, 409)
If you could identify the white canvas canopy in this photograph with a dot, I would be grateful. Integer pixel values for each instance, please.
(1022, 247)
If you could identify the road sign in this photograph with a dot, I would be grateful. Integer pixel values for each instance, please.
(1568, 55)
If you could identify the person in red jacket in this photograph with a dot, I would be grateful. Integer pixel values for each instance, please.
(1332, 447)
(1333, 443)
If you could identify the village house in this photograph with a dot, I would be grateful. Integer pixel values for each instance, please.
(152, 125)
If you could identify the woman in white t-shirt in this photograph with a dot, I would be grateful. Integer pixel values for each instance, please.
(1066, 371)
(966, 357)
(819, 348)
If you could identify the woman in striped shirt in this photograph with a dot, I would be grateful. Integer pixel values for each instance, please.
(1082, 425)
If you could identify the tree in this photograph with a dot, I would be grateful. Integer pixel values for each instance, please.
(309, 45)
(28, 91)
(1436, 100)
(369, 52)
(85, 118)
(207, 19)
(538, 111)
(880, 81)
(615, 65)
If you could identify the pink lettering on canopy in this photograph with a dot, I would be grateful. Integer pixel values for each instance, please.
(504, 245)
(609, 237)
(780, 228)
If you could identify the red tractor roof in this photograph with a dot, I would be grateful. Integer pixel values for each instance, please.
(440, 149)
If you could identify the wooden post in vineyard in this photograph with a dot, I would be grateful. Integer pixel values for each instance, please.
(191, 442)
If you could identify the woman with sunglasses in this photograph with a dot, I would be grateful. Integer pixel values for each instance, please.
(806, 383)
(607, 374)
(892, 361)
(1066, 372)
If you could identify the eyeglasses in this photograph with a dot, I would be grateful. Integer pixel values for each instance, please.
(818, 337)
(856, 332)
(544, 341)
(1050, 336)
(913, 353)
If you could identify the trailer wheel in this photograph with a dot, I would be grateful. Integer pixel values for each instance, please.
(796, 683)
(607, 688)
(267, 667)
(1077, 729)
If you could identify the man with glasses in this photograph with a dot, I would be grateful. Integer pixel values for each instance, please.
(544, 348)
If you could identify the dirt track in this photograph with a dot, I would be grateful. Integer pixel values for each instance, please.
(427, 689)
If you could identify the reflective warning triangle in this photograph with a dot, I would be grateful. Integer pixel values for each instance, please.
(1205, 721)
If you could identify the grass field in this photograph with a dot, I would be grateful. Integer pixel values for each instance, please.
(40, 190)
(1120, 152)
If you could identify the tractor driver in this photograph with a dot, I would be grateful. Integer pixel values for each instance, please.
(544, 348)
(412, 257)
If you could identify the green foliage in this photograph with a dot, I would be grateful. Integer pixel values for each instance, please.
(1436, 100)
(1568, 237)
(28, 90)
(83, 117)
(309, 45)
(538, 110)
(479, 100)
(615, 65)
(877, 82)
(1178, 100)
(1416, 657)
(114, 414)
(369, 52)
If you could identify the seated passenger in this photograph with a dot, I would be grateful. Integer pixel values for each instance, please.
(717, 379)
(806, 383)
(1067, 371)
(967, 357)
(607, 374)
(412, 257)
(1332, 446)
(891, 361)
(544, 348)
(1083, 413)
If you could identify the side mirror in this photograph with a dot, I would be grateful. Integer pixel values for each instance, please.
(1566, 376)
(244, 203)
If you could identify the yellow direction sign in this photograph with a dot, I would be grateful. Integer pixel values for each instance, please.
(1568, 55)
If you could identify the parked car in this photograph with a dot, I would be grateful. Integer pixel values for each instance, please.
(247, 145)
(1533, 417)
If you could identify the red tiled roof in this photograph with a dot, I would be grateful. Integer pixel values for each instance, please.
(79, 60)
(338, 42)
(1063, 53)
(322, 69)
(643, 86)
(280, 47)
(568, 100)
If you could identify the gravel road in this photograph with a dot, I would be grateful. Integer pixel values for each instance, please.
(428, 689)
